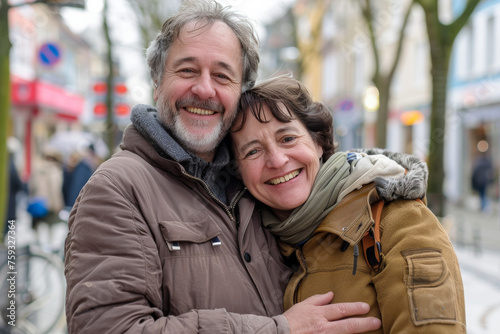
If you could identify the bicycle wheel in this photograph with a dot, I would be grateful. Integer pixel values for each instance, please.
(40, 292)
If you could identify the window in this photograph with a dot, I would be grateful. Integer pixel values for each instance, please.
(490, 43)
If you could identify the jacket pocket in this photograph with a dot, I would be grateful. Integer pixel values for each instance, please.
(430, 286)
(176, 233)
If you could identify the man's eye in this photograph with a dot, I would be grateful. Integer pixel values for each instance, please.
(222, 77)
(288, 139)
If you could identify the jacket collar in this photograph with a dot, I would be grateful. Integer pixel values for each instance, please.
(352, 217)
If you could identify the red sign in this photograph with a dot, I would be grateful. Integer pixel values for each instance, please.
(100, 109)
(102, 87)
(121, 109)
(46, 95)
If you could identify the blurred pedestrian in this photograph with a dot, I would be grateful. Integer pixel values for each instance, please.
(16, 185)
(482, 177)
(45, 189)
(77, 172)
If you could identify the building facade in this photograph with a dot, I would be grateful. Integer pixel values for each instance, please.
(347, 67)
(52, 72)
(474, 99)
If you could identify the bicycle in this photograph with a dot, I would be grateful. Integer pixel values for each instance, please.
(36, 286)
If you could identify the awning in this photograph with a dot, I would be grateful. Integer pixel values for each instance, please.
(46, 95)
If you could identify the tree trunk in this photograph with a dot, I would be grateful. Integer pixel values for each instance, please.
(435, 195)
(441, 39)
(4, 109)
(110, 124)
(383, 86)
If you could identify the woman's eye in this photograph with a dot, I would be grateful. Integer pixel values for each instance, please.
(250, 153)
(288, 139)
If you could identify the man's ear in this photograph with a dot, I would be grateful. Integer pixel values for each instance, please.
(156, 91)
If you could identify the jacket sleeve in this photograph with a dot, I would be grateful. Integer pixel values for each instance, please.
(114, 274)
(420, 288)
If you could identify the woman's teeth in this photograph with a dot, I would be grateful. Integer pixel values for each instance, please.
(285, 178)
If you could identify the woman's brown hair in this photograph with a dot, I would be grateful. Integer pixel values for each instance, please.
(298, 103)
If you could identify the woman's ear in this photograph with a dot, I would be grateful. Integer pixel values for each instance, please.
(319, 151)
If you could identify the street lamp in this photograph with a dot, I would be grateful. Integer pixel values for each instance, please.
(371, 99)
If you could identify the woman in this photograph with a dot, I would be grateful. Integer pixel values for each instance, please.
(321, 212)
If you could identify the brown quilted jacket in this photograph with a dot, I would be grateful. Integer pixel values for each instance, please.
(150, 250)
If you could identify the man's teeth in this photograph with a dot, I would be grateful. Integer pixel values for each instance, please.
(285, 178)
(200, 111)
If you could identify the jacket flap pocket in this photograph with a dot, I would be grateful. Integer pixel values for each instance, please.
(197, 232)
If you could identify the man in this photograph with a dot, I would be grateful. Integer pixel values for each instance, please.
(163, 237)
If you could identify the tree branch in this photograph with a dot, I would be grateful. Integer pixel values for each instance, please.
(399, 48)
(455, 26)
(366, 10)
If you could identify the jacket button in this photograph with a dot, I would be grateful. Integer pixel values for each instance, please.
(247, 257)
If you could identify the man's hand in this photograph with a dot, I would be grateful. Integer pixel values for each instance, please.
(317, 315)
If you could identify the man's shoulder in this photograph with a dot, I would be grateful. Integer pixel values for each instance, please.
(124, 161)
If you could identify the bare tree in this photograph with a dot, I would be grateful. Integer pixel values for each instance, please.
(441, 39)
(382, 79)
(110, 124)
(150, 16)
(309, 41)
(5, 46)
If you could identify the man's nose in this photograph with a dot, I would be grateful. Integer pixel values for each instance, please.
(203, 87)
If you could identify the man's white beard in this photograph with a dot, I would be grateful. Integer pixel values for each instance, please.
(191, 142)
(197, 143)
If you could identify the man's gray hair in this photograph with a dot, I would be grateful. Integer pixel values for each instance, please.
(207, 12)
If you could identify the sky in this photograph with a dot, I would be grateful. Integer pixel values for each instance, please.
(260, 10)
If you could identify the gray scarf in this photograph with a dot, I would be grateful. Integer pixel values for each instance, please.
(144, 118)
(338, 176)
(323, 198)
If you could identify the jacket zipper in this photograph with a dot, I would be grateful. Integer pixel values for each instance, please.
(233, 204)
(228, 209)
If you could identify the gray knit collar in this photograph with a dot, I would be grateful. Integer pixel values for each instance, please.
(144, 118)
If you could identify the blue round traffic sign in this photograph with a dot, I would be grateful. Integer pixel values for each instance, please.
(49, 54)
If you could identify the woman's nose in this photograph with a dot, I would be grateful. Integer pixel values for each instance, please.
(203, 87)
(276, 158)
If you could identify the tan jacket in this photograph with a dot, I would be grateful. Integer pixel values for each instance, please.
(142, 254)
(420, 288)
(46, 182)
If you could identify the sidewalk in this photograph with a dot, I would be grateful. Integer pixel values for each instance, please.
(470, 227)
(476, 237)
(481, 279)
